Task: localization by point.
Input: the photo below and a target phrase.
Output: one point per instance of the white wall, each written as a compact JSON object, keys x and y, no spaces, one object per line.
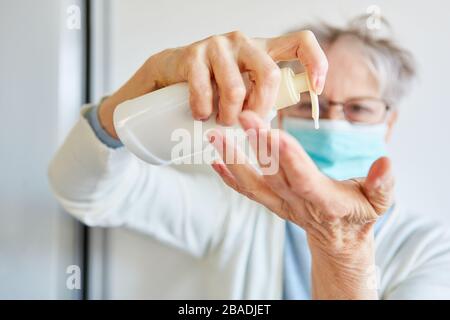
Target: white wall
{"x":40,"y":94}
{"x":420,"y":147}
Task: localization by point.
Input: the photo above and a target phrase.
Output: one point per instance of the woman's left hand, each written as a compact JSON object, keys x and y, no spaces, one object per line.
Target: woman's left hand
{"x":338,"y":216}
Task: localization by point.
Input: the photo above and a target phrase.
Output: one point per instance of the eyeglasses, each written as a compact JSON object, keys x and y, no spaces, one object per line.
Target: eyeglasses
{"x":364,"y":110}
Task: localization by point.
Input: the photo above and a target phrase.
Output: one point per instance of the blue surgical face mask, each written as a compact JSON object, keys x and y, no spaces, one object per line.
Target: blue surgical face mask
{"x":341,"y":150}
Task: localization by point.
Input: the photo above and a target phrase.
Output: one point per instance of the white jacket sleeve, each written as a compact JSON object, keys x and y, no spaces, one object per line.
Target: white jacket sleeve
{"x":430,"y":278}
{"x":416,"y":258}
{"x":110,"y":187}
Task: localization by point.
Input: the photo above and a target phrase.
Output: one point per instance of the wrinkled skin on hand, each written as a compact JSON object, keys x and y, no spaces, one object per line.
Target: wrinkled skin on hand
{"x":338,"y":216}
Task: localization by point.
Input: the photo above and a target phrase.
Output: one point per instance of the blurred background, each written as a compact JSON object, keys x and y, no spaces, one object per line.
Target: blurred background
{"x":50,"y":66}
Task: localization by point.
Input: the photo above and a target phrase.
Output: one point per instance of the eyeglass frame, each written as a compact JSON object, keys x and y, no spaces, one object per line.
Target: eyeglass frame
{"x":330,"y":103}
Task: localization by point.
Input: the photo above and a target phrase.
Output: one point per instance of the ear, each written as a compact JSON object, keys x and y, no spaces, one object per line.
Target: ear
{"x":392,"y":119}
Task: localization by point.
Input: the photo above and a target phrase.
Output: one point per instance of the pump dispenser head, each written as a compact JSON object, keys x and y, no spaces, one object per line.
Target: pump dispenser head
{"x":289,"y":92}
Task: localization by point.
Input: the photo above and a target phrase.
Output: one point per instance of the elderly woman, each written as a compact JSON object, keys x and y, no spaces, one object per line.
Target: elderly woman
{"x":315,"y":228}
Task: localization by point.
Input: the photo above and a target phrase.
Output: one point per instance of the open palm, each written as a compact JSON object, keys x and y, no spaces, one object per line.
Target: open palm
{"x":333,"y":213}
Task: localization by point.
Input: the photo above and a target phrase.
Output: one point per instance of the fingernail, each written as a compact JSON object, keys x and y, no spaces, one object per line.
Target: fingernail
{"x":211,"y":137}
{"x":214,"y":137}
{"x":243,"y":120}
{"x":218,"y":168}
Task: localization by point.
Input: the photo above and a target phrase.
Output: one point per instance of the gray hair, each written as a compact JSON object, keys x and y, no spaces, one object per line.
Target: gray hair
{"x":393,"y":65}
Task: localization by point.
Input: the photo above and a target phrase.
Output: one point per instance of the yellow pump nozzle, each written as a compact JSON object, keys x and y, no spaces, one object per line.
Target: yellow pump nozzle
{"x":302,"y":83}
{"x":289,"y":92}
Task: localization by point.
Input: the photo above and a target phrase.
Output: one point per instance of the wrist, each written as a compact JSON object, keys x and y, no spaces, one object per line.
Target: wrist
{"x":140,"y":83}
{"x":105,"y":116}
{"x":347,"y":273}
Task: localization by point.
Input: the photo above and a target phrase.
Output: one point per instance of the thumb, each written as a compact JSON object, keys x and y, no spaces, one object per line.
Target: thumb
{"x":379,"y":185}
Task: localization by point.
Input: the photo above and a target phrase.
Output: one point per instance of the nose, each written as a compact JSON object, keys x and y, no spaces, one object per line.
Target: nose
{"x":333,"y":112}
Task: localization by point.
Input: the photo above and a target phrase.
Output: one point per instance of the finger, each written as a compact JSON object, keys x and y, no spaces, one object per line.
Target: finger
{"x":250,"y":120}
{"x":268,"y":198}
{"x":265,"y":77}
{"x":262,"y":141}
{"x":200,"y":90}
{"x":243,"y":178}
{"x":225,"y":174}
{"x":303,"y":46}
{"x":258,"y":133}
{"x":233,"y":158}
{"x":279,"y":182}
{"x":256,"y":128}
{"x":379,"y":185}
{"x":229,"y":80}
{"x":301,"y":173}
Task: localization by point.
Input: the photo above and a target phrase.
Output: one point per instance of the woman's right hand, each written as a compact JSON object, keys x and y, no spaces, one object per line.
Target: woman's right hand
{"x":219,"y":61}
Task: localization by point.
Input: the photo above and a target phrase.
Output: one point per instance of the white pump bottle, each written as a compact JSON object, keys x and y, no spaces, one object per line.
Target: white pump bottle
{"x":146,"y":125}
